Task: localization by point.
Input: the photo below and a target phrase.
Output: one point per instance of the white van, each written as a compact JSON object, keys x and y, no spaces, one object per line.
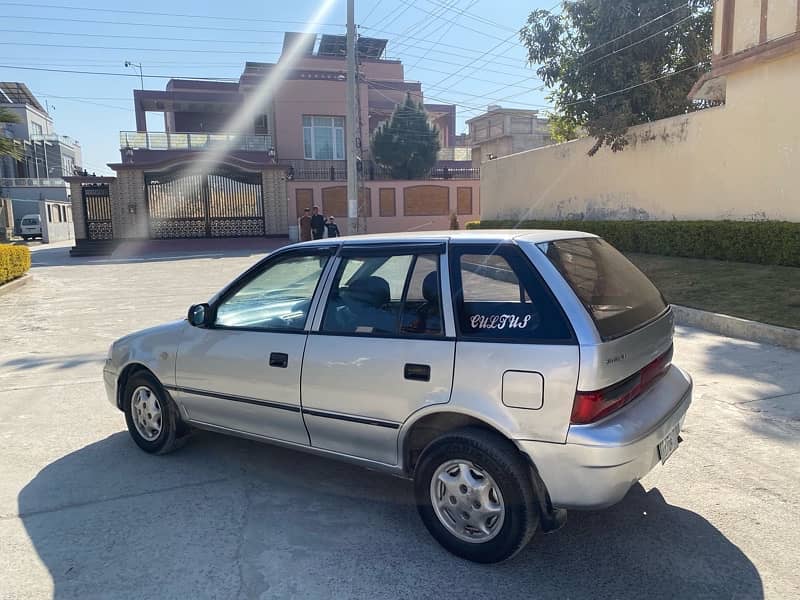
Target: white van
{"x":31,"y":227}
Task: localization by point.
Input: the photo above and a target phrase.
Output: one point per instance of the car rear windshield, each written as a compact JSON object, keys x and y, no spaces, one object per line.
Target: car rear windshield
{"x":30,"y":222}
{"x":619,"y":296}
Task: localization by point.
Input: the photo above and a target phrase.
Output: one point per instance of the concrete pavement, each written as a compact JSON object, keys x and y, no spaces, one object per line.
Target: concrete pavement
{"x":85,"y":514}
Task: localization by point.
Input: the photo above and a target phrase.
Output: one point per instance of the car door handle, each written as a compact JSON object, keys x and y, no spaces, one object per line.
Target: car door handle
{"x":417,"y":372}
{"x":278,"y":359}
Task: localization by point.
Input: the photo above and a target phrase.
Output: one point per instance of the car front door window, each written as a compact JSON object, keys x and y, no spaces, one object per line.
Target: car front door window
{"x":278,"y":298}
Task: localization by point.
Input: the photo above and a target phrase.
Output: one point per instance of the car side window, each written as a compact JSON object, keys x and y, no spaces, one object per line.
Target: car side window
{"x":385,"y":295}
{"x":500,"y":296}
{"x":278,"y":298}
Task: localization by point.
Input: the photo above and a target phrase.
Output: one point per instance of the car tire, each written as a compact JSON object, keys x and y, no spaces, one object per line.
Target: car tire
{"x":152,"y":417}
{"x":24,"y":238}
{"x":458,"y":515}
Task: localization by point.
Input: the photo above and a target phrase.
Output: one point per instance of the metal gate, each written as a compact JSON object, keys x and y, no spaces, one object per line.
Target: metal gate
{"x":97,"y":208}
{"x":221,"y":204}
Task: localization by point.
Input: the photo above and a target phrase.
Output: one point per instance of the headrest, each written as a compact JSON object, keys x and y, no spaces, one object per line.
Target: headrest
{"x":430,"y":287}
{"x":372,"y":290}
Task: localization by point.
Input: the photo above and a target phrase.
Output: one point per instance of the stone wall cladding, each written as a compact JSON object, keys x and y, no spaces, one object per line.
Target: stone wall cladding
{"x":129,"y":189}
{"x":78,"y":215}
{"x":275,"y":201}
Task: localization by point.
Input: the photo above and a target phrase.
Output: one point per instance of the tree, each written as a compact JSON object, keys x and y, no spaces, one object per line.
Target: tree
{"x":407,"y":145}
{"x":8,"y":147}
{"x":594,"y":49}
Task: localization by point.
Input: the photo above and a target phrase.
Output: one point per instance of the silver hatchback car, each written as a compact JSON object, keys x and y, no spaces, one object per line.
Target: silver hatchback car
{"x":510,"y":374}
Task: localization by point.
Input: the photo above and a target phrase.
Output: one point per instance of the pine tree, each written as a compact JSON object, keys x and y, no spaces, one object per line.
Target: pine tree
{"x":407,"y":145}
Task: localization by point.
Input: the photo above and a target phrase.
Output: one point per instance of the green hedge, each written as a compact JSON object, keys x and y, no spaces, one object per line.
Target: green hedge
{"x":14,"y":262}
{"x":760,"y":242}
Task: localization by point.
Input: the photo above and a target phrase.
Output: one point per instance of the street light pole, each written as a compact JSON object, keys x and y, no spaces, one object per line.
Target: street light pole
{"x":351,"y":131}
{"x":133,"y":64}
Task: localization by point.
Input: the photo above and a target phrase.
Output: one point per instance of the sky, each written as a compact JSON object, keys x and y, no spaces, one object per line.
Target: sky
{"x":464,"y":52}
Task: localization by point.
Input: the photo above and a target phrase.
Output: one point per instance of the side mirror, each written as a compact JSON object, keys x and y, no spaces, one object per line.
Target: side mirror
{"x":199,"y":314}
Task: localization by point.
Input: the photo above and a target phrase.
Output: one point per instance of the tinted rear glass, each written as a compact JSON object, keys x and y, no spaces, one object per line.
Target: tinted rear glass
{"x":30,"y":222}
{"x":619,"y":296}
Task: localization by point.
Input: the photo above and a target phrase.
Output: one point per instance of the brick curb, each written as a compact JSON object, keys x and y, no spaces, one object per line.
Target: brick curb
{"x":737,"y":328}
{"x":15,"y":283}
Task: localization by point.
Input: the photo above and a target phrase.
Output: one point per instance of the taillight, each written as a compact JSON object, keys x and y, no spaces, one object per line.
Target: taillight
{"x":589,"y":407}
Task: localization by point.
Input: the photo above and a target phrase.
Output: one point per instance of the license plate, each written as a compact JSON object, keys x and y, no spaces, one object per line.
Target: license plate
{"x":668,"y":445}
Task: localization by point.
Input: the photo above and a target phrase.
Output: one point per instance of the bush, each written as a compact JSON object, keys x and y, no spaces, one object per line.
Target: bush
{"x":14,"y":262}
{"x":760,"y":242}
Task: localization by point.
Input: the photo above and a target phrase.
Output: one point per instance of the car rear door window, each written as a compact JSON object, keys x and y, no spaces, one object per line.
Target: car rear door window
{"x":385,"y":295}
{"x":499,"y":296}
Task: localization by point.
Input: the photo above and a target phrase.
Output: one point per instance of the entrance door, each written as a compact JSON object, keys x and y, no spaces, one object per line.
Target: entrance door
{"x":242,"y":373}
{"x":97,"y":209}
{"x":220,"y":204}
{"x":379,"y":352}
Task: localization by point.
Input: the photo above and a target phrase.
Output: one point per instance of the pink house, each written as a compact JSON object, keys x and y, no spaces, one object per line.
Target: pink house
{"x":291,"y":154}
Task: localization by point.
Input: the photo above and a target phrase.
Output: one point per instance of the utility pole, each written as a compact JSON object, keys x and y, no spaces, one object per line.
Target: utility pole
{"x":351,"y":131}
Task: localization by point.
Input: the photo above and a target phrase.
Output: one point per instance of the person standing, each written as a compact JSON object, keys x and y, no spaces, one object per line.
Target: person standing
{"x":317,"y":224}
{"x":304,"y":225}
{"x":333,"y":228}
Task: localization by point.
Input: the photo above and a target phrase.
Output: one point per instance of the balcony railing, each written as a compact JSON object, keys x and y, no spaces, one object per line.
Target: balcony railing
{"x":53,"y":137}
{"x":31,"y":182}
{"x":165,"y":140}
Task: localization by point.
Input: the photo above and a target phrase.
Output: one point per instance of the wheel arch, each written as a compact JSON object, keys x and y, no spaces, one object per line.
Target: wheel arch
{"x":423,"y":428}
{"x":126,"y":373}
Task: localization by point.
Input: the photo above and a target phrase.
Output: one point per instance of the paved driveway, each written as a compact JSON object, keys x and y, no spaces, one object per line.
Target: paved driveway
{"x":85,"y":514}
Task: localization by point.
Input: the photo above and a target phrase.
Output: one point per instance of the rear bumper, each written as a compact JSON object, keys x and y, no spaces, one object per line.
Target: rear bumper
{"x":600,"y":462}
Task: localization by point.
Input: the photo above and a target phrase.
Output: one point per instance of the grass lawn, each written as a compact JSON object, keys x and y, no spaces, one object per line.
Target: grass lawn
{"x":759,"y":292}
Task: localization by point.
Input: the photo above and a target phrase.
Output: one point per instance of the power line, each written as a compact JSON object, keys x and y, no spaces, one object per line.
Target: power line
{"x":653,"y":20}
{"x":477,"y":18}
{"x":478,"y":31}
{"x":160,"y":14}
{"x":679,"y":22}
{"x":636,"y":43}
{"x":492,"y":49}
{"x":83,"y":101}
{"x":372,"y":10}
{"x":444,"y":33}
{"x":139,"y":37}
{"x":140,"y":24}
{"x":83,"y":47}
{"x":46,"y":95}
{"x":395,"y":12}
{"x":683,"y":5}
{"x":117,"y":74}
{"x":403,"y":8}
{"x":630,"y":87}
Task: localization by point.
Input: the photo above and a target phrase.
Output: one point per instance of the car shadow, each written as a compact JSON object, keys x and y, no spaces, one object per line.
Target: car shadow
{"x":230,"y":518}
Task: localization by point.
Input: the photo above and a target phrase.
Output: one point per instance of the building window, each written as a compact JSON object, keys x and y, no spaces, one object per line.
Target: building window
{"x":323,"y":138}
{"x":36,"y":128}
{"x":262,"y":125}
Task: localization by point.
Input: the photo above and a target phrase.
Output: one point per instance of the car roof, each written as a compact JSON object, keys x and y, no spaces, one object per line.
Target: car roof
{"x":489,"y":236}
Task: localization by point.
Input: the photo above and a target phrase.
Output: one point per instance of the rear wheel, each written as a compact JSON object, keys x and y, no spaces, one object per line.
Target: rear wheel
{"x":151,"y":415}
{"x":475,"y":495}
{"x":25,"y":238}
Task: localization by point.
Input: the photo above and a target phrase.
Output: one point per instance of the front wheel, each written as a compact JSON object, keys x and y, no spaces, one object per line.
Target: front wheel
{"x":151,"y":415}
{"x":475,"y":496}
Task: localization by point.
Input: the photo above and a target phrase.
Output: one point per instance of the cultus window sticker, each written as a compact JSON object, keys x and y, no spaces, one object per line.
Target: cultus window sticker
{"x":499,"y":321}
